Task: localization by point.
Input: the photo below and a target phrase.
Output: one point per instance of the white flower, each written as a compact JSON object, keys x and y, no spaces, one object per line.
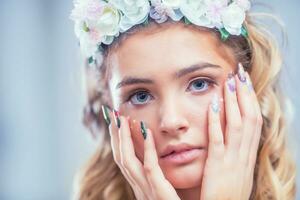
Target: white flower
{"x":244,"y":4}
{"x":172,"y":3}
{"x":108,"y":22}
{"x":135,"y":12}
{"x":88,"y":48}
{"x":195,"y":12}
{"x":87,"y":9}
{"x":233,"y":17}
{"x":97,"y":15}
{"x":100,"y":21}
{"x":214,"y":11}
{"x":94,"y":22}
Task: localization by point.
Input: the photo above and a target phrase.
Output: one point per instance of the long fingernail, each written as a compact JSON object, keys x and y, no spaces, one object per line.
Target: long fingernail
{"x":231,"y":82}
{"x":249,"y":83}
{"x":215,"y":103}
{"x":143,"y":130}
{"x":241,"y":73}
{"x":106,"y":114}
{"x":117,"y":118}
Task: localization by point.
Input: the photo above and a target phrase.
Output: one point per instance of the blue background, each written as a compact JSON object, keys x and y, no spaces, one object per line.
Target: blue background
{"x":42,"y":140}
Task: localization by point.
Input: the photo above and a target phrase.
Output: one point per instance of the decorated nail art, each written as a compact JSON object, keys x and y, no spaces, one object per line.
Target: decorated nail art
{"x":117,"y":118}
{"x":215,"y":103}
{"x":143,"y":130}
{"x":231,"y":82}
{"x":241,"y":73}
{"x":249,"y":84}
{"x":106,"y":114}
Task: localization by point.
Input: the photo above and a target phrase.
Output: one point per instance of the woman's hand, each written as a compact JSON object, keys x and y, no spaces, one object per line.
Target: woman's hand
{"x":147,"y":180}
{"x":229,"y":168}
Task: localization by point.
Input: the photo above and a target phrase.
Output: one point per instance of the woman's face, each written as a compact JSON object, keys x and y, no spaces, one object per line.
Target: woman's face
{"x":168,"y":79}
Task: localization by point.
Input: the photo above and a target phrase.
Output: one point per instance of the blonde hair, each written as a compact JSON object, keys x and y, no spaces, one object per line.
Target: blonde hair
{"x":274,"y":177}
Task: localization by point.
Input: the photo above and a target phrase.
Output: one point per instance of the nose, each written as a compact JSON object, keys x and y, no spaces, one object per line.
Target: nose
{"x":172,"y":120}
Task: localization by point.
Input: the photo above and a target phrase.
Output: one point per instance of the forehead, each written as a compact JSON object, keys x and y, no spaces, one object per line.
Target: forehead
{"x":167,"y":50}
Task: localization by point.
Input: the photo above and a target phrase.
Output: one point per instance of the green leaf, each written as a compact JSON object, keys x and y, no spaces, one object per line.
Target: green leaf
{"x":100,"y":48}
{"x":85,"y":27}
{"x":244,"y":32}
{"x":187,"y":21}
{"x":146,"y":22}
{"x":224,"y":34}
{"x":91,"y":60}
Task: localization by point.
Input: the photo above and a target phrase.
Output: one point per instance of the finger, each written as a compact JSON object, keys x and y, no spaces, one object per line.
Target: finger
{"x":215,"y":135}
{"x":233,"y":116}
{"x":258,"y":128}
{"x":114,"y":138}
{"x":153,"y":171}
{"x":248,"y":113}
{"x":109,"y":117}
{"x":129,"y":161}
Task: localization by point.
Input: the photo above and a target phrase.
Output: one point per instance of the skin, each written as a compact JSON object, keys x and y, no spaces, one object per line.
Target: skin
{"x":178,"y":111}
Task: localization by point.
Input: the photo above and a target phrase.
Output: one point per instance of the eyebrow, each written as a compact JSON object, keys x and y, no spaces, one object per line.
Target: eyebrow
{"x":130,"y":80}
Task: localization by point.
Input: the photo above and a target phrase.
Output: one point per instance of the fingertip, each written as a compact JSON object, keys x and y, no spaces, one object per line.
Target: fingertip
{"x":249,"y":82}
{"x":215,"y":104}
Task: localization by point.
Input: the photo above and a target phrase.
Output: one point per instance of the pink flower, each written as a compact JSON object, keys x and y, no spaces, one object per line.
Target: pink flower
{"x":94,"y":9}
{"x":95,"y":35}
{"x":214,"y":11}
{"x":159,"y":12}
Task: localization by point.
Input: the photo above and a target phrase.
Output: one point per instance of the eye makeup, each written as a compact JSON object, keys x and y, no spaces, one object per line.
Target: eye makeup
{"x":206,"y":82}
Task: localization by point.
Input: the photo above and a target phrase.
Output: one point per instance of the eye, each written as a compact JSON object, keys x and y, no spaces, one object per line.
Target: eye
{"x":139,"y":97}
{"x":200,"y":84}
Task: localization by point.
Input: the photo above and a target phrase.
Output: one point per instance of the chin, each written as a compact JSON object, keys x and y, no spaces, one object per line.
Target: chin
{"x":185,"y":176}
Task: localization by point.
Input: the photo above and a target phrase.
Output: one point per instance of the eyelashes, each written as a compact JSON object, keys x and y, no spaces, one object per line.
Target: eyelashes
{"x":143,"y":96}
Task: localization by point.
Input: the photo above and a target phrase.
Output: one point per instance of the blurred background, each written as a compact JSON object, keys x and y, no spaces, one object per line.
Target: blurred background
{"x":42,"y":140}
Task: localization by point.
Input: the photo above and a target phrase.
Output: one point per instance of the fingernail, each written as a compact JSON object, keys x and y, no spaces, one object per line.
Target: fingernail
{"x":143,"y":130}
{"x":249,"y":83}
{"x":106,"y":114}
{"x":215,"y":103}
{"x":231,"y":82}
{"x":241,"y":73}
{"x":117,"y":118}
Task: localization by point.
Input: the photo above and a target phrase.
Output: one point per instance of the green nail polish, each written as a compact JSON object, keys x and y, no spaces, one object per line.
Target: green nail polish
{"x":117,"y":118}
{"x":143,"y":130}
{"x":106,"y":114}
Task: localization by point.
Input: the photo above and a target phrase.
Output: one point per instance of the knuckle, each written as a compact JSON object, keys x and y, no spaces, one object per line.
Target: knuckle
{"x":252,"y":119}
{"x":125,"y":163}
{"x":148,"y":169}
{"x":217,"y":141}
{"x":255,"y":120}
{"x":236,"y":127}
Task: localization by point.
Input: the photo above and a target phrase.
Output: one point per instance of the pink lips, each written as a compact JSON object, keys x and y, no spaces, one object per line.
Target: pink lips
{"x":185,"y":156}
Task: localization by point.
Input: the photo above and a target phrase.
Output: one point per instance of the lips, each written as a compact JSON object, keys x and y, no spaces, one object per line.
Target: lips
{"x":170,"y":149}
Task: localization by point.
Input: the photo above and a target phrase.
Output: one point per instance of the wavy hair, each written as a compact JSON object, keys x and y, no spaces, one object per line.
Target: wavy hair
{"x":274,"y":176}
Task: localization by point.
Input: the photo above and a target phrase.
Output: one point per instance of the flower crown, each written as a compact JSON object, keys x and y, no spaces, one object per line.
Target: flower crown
{"x":98,"y":22}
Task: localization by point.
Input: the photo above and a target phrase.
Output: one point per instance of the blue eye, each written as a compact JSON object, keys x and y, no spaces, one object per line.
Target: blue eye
{"x":200,"y":85}
{"x":139,"y":98}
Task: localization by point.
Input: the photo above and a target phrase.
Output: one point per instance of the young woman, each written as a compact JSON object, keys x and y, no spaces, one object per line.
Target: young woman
{"x":190,"y":100}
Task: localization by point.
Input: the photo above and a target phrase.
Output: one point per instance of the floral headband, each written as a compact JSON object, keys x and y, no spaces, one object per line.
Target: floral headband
{"x":98,"y":22}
